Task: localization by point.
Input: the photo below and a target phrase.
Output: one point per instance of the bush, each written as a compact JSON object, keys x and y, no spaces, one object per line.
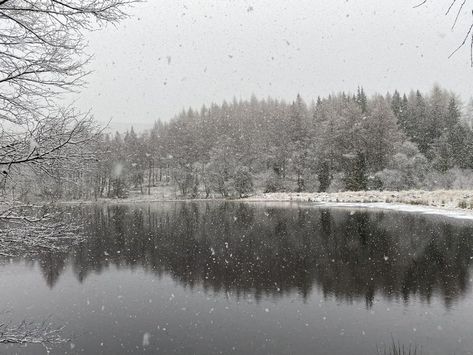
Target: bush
{"x":375,"y":183}
{"x":406,"y":169}
{"x":392,"y":180}
{"x":274,"y":184}
{"x":337,"y":184}
{"x":243,"y":182}
{"x":119,"y":188}
{"x":463,"y":179}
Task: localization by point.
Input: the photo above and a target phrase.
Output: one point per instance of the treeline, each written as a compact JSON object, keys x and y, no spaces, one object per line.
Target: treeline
{"x":340,"y":142}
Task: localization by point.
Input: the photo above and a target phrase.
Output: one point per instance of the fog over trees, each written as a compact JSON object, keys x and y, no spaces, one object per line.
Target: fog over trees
{"x":339,"y":142}
{"x":344,"y":141}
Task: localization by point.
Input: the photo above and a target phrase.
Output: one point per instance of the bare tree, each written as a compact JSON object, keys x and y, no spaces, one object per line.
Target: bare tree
{"x":42,"y":56}
{"x":455,"y":8}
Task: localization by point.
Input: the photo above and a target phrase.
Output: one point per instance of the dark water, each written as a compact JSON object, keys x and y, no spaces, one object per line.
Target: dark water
{"x":230,"y":278}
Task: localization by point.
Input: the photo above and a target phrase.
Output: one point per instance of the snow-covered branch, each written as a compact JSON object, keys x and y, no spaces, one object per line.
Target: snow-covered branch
{"x":29,"y":332}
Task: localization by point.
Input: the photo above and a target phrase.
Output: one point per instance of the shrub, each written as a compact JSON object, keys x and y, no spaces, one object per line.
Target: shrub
{"x":462,"y":204}
{"x":243,"y":181}
{"x":337,"y":183}
{"x":274,"y":184}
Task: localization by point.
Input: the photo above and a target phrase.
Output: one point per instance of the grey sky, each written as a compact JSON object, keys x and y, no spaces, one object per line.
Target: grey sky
{"x":173,"y":54}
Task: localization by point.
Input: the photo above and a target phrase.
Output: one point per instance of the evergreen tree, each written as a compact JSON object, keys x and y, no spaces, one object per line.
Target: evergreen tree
{"x":362,"y":99}
{"x":396,"y":104}
{"x":435,"y":119}
{"x":356,"y":177}
{"x":452,"y":116}
{"x":417,"y":117}
{"x":285,"y":147}
{"x":381,"y":133}
{"x":467,"y":117}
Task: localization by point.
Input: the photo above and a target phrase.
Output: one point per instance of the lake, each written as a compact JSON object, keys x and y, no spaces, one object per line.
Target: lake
{"x":241,"y":278}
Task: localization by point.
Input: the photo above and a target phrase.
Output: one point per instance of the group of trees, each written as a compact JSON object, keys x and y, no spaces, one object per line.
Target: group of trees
{"x":340,"y":142}
{"x":42,"y":57}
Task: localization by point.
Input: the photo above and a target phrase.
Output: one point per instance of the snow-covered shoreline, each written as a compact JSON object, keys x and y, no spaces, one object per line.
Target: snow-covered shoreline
{"x":450,"y":203}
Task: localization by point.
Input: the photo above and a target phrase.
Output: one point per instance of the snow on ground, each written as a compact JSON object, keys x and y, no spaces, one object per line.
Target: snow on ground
{"x":451,"y":203}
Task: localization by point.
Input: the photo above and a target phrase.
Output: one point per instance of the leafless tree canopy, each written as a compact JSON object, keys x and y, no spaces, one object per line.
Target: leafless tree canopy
{"x":42,"y":55}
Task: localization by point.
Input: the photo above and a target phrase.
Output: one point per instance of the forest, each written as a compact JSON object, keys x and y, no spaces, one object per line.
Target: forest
{"x":335,"y":143}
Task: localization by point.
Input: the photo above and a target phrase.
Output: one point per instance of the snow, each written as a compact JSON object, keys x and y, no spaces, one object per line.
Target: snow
{"x":34,"y":238}
{"x":146,"y":338}
{"x":29,"y":332}
{"x":451,"y":203}
{"x":442,"y":202}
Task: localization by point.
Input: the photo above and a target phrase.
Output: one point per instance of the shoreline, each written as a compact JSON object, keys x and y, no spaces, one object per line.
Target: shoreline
{"x":450,"y":203}
{"x":441,"y":202}
{"x":462,"y":214}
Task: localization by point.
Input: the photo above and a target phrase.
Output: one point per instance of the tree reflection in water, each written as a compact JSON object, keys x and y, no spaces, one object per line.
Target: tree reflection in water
{"x":273,"y":251}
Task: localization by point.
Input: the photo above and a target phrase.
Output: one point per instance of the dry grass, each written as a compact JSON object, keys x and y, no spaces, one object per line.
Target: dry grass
{"x":396,"y":348}
{"x":451,"y":199}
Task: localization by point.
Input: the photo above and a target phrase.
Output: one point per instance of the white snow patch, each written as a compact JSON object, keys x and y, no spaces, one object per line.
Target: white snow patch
{"x":146,"y":337}
{"x":450,"y":203}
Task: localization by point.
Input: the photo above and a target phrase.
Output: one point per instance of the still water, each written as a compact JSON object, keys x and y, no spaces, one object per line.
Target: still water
{"x":235,"y":278}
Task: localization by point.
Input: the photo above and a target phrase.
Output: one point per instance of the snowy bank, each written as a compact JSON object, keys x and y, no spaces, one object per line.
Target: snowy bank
{"x":450,"y":203}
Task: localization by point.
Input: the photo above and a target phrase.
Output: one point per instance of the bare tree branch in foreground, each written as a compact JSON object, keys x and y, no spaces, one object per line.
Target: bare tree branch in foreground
{"x":29,"y":332}
{"x":21,"y":237}
{"x":43,"y":56}
{"x":456,"y":7}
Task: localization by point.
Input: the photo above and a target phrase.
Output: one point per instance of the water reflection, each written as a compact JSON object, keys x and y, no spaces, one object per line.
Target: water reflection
{"x":270,"y":251}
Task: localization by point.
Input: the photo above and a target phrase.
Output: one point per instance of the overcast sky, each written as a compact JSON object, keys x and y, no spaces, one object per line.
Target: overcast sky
{"x":173,"y":54}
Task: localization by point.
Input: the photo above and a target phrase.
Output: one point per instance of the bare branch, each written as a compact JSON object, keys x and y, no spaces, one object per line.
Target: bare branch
{"x":458,"y":13}
{"x":28,"y":332}
{"x":42,"y":56}
{"x":459,"y":10}
{"x":463,"y":42}
{"x":450,"y":7}
{"x":420,"y":4}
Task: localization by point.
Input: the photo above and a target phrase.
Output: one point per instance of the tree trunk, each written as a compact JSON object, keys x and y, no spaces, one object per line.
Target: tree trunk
{"x":149,"y":178}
